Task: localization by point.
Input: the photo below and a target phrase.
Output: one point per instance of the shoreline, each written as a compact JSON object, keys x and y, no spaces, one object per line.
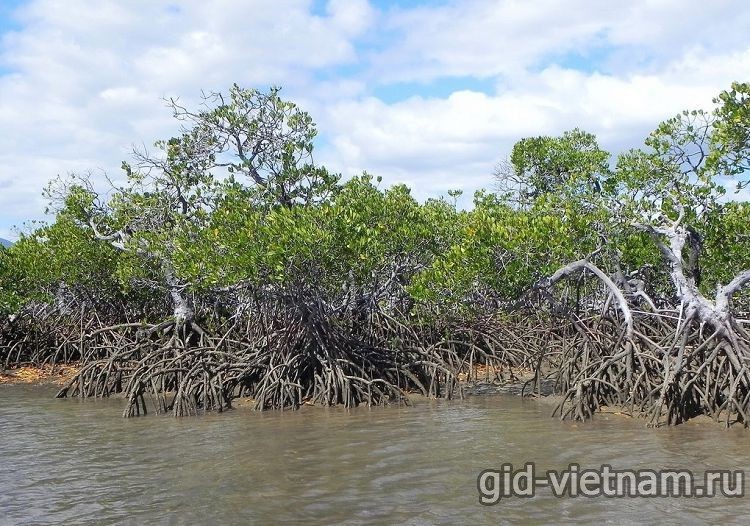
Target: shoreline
{"x":60,"y":374}
{"x":52,"y":375}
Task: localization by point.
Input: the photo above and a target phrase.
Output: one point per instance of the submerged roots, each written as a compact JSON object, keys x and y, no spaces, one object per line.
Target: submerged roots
{"x":290,"y":353}
{"x":664,"y":373}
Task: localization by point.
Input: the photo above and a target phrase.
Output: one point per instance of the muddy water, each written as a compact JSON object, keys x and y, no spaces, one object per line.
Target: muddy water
{"x":69,"y":462}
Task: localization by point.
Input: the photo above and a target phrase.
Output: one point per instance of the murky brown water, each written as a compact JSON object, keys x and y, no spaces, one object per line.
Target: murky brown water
{"x":69,"y":462}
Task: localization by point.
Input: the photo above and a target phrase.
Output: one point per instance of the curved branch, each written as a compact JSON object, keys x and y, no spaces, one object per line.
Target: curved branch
{"x":725,"y":293}
{"x":581,"y":265}
{"x":115,"y":239}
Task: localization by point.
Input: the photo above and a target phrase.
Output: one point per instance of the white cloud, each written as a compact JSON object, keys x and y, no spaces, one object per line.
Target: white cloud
{"x":445,"y":143}
{"x":487,"y":38}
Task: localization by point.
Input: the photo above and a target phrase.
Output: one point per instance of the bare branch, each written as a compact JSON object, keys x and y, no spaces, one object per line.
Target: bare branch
{"x":582,"y":265}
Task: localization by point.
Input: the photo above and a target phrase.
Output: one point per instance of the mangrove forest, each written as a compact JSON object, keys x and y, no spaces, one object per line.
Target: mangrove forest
{"x":224,"y":263}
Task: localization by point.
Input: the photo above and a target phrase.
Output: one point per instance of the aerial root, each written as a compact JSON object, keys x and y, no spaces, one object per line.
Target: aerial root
{"x":290,"y":354}
{"x":668,"y":375}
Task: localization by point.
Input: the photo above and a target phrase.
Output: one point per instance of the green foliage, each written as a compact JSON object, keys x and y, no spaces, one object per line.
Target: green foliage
{"x":502,"y":251}
{"x":730,"y":139}
{"x":264,"y":142}
{"x":53,"y":256}
{"x":572,"y":163}
{"x":10,"y":295}
{"x":726,"y":243}
{"x":235,"y":199}
{"x":358,"y":238}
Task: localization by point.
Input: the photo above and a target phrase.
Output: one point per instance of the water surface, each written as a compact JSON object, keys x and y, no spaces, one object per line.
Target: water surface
{"x":79,"y":462}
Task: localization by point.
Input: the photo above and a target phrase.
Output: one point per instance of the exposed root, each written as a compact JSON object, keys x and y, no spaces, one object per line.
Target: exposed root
{"x":293,"y":351}
{"x":666,"y":378}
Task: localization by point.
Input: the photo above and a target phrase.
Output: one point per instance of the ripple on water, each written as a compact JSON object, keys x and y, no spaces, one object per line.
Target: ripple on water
{"x":70,"y":462}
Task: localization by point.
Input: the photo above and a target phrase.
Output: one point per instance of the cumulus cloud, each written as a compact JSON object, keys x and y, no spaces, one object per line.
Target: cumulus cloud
{"x":445,"y":143}
{"x":81,"y":82}
{"x":488,"y":38}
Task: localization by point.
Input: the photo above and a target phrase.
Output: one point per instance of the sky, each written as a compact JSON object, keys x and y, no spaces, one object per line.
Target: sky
{"x":429,"y":93}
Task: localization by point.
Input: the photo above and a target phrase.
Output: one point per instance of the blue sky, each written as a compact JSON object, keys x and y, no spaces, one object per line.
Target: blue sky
{"x":433,"y":94}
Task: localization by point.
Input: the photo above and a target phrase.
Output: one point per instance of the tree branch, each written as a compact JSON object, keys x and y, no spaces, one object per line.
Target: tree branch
{"x":581,"y":265}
